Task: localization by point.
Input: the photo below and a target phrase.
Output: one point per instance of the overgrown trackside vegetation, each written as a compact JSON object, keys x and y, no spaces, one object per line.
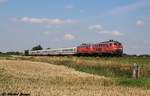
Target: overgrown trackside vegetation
{"x":118,"y":68}
{"x":9,"y":54}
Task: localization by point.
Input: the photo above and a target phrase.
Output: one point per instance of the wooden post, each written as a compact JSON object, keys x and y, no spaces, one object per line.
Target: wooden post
{"x":136,"y":71}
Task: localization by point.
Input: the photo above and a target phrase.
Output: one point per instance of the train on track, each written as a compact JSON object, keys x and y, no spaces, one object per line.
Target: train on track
{"x":107,"y":48}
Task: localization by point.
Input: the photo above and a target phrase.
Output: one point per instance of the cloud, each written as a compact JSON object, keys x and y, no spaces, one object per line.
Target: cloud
{"x":46,"y":21}
{"x":139,"y":23}
{"x":2,"y":1}
{"x":69,"y":6}
{"x":47,"y":32}
{"x":111,"y":33}
{"x":81,"y":11}
{"x":130,"y":7}
{"x":100,"y":30}
{"x":69,"y":37}
{"x":95,"y":27}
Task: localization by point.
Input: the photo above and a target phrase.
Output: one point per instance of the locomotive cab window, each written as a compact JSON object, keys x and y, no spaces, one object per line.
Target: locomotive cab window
{"x":115,"y":43}
{"x":119,"y":44}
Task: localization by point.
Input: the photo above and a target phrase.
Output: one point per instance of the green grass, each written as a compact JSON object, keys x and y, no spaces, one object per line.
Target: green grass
{"x":112,"y":67}
{"x":5,"y":55}
{"x":141,"y":82}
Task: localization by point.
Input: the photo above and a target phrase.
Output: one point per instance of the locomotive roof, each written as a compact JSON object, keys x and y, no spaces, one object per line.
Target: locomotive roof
{"x":110,"y":41}
{"x":85,"y":44}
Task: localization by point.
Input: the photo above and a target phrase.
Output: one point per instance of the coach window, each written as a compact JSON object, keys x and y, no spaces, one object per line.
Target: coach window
{"x":115,"y":43}
{"x":107,"y":45}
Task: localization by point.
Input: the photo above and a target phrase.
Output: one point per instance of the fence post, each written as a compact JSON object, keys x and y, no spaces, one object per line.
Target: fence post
{"x":136,"y":71}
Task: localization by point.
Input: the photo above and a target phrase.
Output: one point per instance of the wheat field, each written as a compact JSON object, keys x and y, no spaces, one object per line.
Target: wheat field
{"x":44,"y":79}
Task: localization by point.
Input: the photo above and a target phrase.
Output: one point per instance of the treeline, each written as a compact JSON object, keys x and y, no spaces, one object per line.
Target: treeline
{"x":38,"y":47}
{"x":134,"y":55}
{"x":10,"y":53}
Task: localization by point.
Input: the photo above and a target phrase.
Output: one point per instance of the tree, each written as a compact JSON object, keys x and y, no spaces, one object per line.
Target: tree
{"x":48,"y":48}
{"x":38,"y":47}
{"x":13,"y":53}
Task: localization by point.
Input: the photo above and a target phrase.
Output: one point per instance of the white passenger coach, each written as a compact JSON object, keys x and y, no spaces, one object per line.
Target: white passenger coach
{"x":59,"y":51}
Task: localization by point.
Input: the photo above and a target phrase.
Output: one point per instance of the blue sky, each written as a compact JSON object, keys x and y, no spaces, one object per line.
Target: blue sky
{"x":67,"y":23}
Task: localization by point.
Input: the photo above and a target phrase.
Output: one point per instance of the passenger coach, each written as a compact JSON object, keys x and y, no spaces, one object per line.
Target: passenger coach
{"x":50,"y":52}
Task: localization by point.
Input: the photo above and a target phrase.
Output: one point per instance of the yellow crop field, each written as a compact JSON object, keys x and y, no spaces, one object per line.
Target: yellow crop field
{"x":44,"y":79}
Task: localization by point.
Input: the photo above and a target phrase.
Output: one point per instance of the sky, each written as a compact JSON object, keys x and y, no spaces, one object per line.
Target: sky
{"x":68,"y":23}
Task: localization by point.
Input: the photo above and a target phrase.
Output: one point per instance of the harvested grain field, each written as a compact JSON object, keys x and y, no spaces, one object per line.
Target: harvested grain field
{"x":43,"y":79}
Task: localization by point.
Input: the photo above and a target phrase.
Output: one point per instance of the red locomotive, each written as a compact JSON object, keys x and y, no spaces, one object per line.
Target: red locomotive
{"x":106,"y":48}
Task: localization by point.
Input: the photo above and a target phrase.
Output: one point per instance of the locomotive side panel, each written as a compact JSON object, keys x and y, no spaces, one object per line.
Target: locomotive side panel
{"x":85,"y":49}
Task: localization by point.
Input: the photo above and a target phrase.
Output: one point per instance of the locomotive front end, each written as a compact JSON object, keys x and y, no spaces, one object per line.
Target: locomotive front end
{"x":117,"y":48}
